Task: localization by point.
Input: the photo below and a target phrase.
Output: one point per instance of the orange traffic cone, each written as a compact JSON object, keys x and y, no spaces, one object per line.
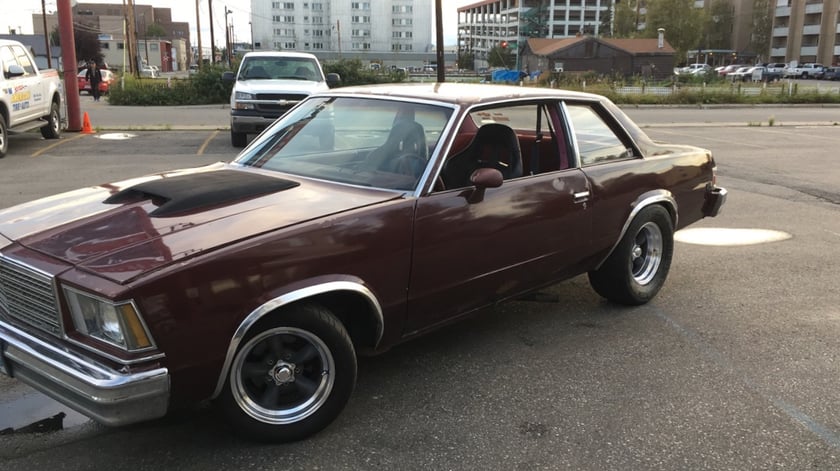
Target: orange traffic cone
{"x":86,"y":127}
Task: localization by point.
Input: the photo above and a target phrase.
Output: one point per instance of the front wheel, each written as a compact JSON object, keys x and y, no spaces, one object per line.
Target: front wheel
{"x":291,"y":376}
{"x":638,"y":266}
{"x":53,"y":128}
{"x":238,"y":139}
{"x":4,"y":137}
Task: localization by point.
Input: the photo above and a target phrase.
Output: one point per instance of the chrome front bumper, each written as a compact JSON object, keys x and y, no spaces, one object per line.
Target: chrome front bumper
{"x":106,"y":395}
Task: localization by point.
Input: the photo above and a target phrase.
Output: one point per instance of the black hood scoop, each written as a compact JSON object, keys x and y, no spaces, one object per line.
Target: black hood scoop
{"x":184,"y":194}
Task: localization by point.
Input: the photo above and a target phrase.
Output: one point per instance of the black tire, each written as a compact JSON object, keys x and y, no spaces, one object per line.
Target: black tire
{"x":638,"y":266}
{"x":53,"y":128}
{"x":4,"y":137}
{"x":238,"y":139}
{"x":291,"y":376}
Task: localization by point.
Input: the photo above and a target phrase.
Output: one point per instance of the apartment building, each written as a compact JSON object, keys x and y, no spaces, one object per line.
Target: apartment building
{"x":806,"y":31}
{"x":486,"y":24}
{"x":397,"y":30}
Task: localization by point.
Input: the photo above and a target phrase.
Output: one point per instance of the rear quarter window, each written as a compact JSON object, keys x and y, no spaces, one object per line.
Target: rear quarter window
{"x":596,"y":140}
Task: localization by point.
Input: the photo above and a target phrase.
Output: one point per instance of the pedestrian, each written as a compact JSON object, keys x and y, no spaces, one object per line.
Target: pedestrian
{"x":94,"y":76}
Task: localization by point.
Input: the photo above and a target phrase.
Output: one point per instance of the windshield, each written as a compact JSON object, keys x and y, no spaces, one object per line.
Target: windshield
{"x":275,"y":68}
{"x":360,"y":141}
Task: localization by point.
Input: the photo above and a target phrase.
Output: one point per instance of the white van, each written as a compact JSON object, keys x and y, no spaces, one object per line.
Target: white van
{"x":268,"y":84}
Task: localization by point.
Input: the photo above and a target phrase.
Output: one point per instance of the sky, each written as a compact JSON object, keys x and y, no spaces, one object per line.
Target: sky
{"x":184,"y":10}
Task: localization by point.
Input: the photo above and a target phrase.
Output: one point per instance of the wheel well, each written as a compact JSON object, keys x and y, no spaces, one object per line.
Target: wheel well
{"x":4,"y":114}
{"x":352,"y":309}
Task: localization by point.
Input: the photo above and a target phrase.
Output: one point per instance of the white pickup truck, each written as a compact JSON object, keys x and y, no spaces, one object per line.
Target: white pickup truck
{"x":805,"y":71}
{"x":268,"y":84}
{"x":29,"y":98}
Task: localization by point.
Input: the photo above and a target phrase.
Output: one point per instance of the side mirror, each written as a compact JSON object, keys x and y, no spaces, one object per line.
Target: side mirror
{"x":228,"y":76}
{"x":333,"y":80}
{"x":16,"y":70}
{"x":483,"y":178}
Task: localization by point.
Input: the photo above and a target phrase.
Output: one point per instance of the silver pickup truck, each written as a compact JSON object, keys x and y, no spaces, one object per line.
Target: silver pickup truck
{"x":29,"y":98}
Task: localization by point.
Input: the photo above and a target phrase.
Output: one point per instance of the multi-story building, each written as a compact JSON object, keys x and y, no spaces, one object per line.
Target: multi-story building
{"x":396,"y":31}
{"x":806,"y":31}
{"x":489,"y":23}
{"x":108,"y":20}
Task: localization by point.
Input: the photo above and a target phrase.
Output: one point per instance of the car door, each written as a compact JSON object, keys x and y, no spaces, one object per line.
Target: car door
{"x":27,"y":100}
{"x":529,"y":231}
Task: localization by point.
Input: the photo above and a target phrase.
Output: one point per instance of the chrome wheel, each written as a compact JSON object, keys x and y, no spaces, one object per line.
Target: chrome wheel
{"x":282,"y":375}
{"x":646,"y":254}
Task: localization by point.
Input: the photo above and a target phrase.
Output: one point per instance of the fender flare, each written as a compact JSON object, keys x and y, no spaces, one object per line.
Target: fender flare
{"x":661,"y":197}
{"x":318,"y":288}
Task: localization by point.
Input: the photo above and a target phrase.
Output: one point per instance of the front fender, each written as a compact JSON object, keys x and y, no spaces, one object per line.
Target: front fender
{"x":301,"y":291}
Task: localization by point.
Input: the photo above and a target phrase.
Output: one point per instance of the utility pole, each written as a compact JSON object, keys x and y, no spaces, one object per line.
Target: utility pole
{"x":46,"y":33}
{"x":338,"y":30}
{"x":198,"y":33}
{"x":441,"y":62}
{"x":212,"y":37}
{"x":227,"y":36}
{"x":132,"y":39}
{"x":68,"y":55}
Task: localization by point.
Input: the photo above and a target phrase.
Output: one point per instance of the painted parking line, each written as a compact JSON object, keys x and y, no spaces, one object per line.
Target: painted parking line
{"x":56,"y":144}
{"x":207,"y":142}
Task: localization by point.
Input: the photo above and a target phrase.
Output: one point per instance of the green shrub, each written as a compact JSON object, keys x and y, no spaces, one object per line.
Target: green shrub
{"x":204,"y":88}
{"x":352,"y":72}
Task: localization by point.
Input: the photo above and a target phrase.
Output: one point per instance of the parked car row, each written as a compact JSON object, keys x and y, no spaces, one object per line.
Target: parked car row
{"x":776,"y":71}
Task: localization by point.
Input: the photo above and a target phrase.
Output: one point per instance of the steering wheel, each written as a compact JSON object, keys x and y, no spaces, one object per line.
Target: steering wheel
{"x":410,"y":163}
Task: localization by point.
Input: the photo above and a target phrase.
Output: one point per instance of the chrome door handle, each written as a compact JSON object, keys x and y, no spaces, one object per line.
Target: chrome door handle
{"x":581,"y":197}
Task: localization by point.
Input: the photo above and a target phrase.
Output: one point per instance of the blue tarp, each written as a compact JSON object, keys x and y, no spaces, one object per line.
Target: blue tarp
{"x":512,"y":75}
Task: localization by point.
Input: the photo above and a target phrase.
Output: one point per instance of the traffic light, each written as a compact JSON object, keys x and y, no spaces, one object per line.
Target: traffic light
{"x":503,"y":44}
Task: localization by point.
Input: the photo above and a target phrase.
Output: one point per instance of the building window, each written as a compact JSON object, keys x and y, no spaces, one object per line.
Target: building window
{"x":275,"y":5}
{"x":288,"y":5}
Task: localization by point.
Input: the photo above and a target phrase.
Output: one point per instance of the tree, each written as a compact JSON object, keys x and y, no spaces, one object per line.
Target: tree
{"x":683,"y":23}
{"x":762,"y":25}
{"x":719,"y":26}
{"x":466,"y":60}
{"x":624,"y":24}
{"x":155,"y":30}
{"x":87,"y":42}
{"x":500,"y":57}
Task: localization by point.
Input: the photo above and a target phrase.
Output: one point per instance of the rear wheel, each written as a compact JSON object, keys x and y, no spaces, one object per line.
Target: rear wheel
{"x":291,"y":376}
{"x":638,"y":266}
{"x":238,"y":139}
{"x":53,"y":128}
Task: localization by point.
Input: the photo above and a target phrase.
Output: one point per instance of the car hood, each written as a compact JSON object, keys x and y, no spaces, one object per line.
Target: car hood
{"x":124,"y":230}
{"x":306,"y":87}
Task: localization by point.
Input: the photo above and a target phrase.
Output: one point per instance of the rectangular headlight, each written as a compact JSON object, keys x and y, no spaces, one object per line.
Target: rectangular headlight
{"x":115,"y":323}
{"x":237,"y":101}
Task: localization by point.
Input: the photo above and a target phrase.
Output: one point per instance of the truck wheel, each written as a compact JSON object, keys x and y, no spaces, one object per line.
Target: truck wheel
{"x":238,"y":139}
{"x":638,"y":266}
{"x":53,"y":128}
{"x":291,"y":376}
{"x":4,"y":137}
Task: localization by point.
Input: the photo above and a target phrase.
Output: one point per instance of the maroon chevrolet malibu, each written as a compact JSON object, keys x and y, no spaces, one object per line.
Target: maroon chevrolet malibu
{"x":363,"y":217}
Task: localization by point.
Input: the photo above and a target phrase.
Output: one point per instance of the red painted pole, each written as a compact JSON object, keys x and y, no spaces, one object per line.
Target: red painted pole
{"x":68,"y":59}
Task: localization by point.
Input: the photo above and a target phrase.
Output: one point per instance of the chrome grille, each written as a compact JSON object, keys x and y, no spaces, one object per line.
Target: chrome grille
{"x":28,"y":296}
